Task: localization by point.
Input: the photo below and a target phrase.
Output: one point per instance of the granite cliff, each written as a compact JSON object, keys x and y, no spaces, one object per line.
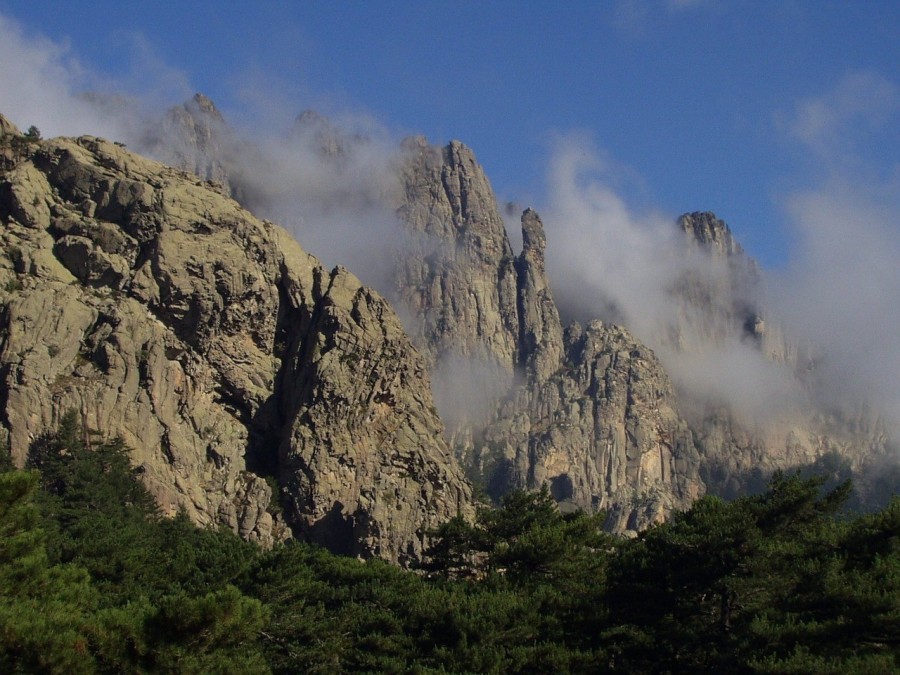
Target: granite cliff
{"x":739,"y":453}
{"x":588,"y":410}
{"x":235,"y":364}
{"x":258,"y":389}
{"x":487,"y":323}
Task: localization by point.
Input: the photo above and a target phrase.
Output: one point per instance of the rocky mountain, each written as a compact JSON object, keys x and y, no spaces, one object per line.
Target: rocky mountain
{"x":258,"y":389}
{"x":587,"y":410}
{"x":235,"y":364}
{"x":725,"y":313}
{"x":194,"y":137}
{"x":591,"y":409}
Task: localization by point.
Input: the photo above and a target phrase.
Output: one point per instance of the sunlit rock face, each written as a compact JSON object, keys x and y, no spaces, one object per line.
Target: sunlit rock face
{"x":587,"y":410}
{"x":636,"y":420}
{"x":228,"y":359}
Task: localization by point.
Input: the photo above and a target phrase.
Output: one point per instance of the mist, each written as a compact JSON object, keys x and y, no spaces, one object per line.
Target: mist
{"x":843,"y":280}
{"x":44,"y":84}
{"x":329,"y":183}
{"x":608,"y":260}
{"x":332,"y":185}
{"x":39,"y":86}
{"x":844,"y":288}
{"x":835,"y":301}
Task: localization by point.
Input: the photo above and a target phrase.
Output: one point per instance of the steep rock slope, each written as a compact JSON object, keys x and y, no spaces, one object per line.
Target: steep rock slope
{"x":724,"y":309}
{"x":524,"y":406}
{"x":216,"y":348}
{"x":589,"y":410}
{"x":456,"y":273}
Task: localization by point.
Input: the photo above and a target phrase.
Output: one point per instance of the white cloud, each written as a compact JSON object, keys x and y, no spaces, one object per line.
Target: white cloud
{"x":335,"y":206}
{"x":861,"y":102}
{"x":844,"y":287}
{"x":843,"y":281}
{"x":838,"y":294}
{"x":607,"y":260}
{"x":39,"y":82}
{"x":44,"y":84}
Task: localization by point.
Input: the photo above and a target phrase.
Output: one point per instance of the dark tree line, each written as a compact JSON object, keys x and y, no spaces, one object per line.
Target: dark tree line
{"x":93,"y":579}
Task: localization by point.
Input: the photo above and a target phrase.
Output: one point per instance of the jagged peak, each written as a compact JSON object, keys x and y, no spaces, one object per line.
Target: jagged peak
{"x":453,"y":154}
{"x":457,"y":153}
{"x":416,"y":142}
{"x":203,"y":104}
{"x":708,"y":231}
{"x":533,"y":237}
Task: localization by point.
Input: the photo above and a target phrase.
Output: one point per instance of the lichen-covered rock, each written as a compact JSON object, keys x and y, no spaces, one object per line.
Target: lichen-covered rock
{"x":221,"y":352}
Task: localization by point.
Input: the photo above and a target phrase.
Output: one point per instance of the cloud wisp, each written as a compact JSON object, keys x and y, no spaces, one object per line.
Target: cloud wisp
{"x":837,"y":297}
{"x":832,"y":124}
{"x":636,"y":268}
{"x":328,"y":187}
{"x":843,"y":279}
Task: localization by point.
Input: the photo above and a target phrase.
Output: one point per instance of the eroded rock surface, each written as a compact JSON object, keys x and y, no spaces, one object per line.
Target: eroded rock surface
{"x":589,"y":411}
{"x":226,"y":356}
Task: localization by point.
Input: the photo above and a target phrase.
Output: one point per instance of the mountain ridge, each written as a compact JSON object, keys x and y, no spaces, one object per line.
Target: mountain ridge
{"x":586,"y":408}
{"x":213,"y":344}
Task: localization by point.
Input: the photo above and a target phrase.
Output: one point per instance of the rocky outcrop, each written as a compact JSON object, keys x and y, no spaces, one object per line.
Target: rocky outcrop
{"x":602,"y":431}
{"x":715,"y":295}
{"x":588,"y":411}
{"x":365,"y":468}
{"x":456,"y":273}
{"x":194,"y":137}
{"x":591,"y":411}
{"x":540,"y":348}
{"x":222,"y":353}
{"x":705,"y":230}
{"x":720,"y":307}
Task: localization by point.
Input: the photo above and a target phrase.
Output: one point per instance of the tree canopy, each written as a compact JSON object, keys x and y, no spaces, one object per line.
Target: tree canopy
{"x":94,"y":579}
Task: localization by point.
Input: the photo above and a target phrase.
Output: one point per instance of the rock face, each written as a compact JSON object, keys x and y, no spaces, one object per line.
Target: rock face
{"x":456,"y":274}
{"x":722,"y":309}
{"x":217,"y":347}
{"x":717,"y":296}
{"x":589,"y":411}
{"x":602,"y":431}
{"x":226,"y":356}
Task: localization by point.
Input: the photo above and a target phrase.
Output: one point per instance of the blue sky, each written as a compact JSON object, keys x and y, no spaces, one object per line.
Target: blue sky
{"x":727,"y":106}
